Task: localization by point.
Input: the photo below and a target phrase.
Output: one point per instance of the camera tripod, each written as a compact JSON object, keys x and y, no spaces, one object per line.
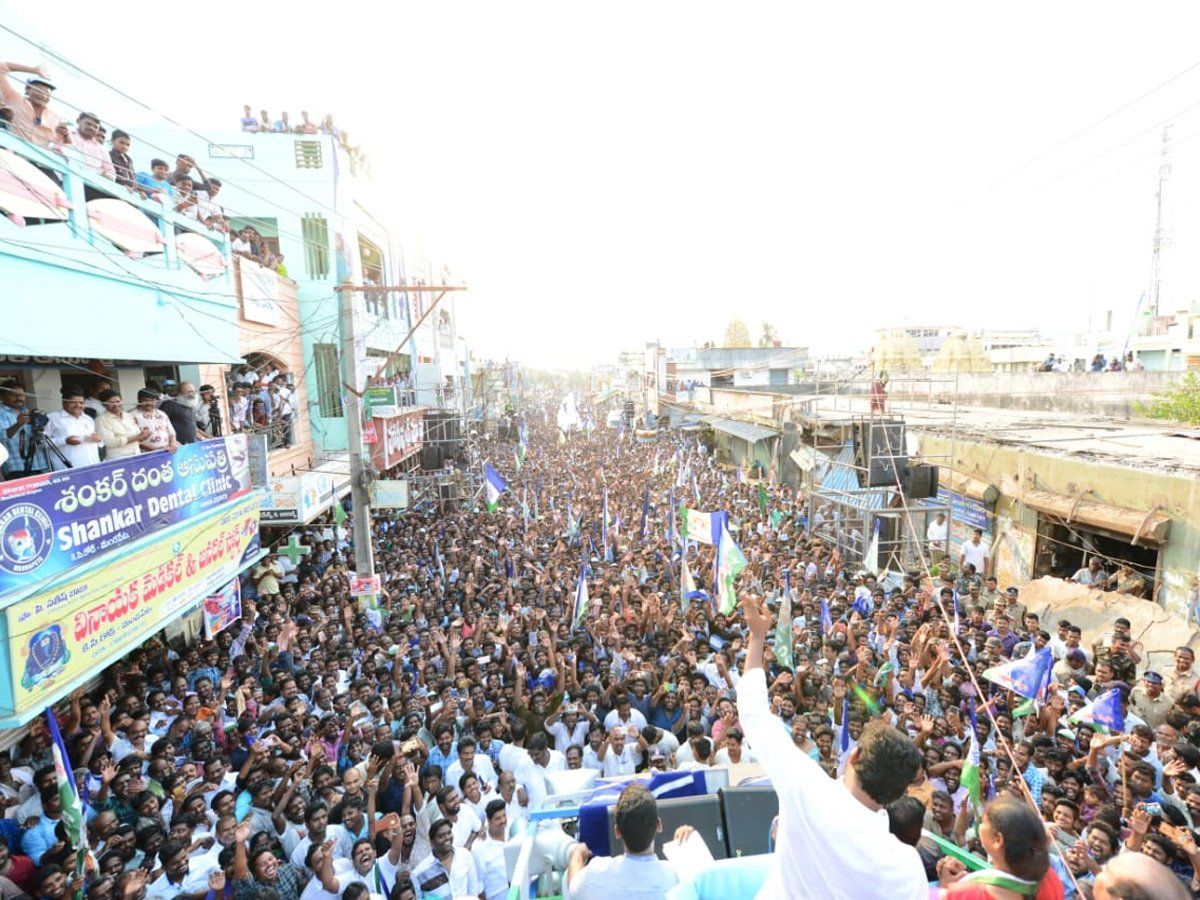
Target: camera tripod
{"x":39,"y":441}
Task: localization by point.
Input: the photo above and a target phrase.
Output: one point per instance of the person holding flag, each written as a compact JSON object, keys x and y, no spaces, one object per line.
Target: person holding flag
{"x":493,"y":486}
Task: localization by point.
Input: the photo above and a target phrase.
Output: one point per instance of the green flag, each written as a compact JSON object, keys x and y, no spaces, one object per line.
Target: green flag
{"x":339,"y":514}
{"x":970,"y":778}
{"x":763,"y":500}
{"x":730,"y":563}
{"x":783,"y":633}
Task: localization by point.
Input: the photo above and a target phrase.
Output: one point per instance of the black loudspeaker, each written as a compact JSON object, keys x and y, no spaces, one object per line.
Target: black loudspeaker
{"x":703,"y":813}
{"x":922,"y":481}
{"x":880,"y":454}
{"x":431,"y":457}
{"x":749,"y":812}
{"x":447,"y":492}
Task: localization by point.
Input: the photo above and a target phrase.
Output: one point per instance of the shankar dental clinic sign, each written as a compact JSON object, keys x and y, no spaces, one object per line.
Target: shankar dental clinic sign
{"x":53,"y":522}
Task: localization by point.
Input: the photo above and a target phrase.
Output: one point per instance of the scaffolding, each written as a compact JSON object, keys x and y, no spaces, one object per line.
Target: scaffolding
{"x":868,"y":523}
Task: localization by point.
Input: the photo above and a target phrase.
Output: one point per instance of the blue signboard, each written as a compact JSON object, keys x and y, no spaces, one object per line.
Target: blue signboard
{"x":966,"y":514}
{"x":53,"y":522}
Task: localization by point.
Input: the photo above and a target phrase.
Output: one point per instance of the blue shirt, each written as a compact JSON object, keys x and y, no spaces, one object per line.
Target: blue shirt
{"x":443,"y":760}
{"x":150,"y":183}
{"x":38,"y":839}
{"x":15,"y":464}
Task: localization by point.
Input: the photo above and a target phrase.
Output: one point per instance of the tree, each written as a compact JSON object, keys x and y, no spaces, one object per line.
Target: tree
{"x":1179,"y":404}
{"x":737,"y":334}
{"x":769,"y":337}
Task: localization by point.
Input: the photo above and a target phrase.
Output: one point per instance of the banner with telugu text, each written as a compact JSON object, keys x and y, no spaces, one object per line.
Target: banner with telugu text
{"x":52,"y":523}
{"x":56,"y":636}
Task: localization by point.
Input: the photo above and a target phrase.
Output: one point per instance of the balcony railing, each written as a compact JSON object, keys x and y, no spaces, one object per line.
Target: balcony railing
{"x":134,"y":226}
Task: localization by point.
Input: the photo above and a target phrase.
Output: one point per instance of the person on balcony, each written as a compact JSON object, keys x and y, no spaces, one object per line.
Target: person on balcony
{"x":73,"y":432}
{"x":249,"y":123}
{"x":156,"y":184}
{"x":181,"y":407}
{"x":155,"y":421}
{"x":83,"y":141}
{"x":17,"y":435}
{"x":185,"y":200}
{"x":123,"y":171}
{"x":282,"y":125}
{"x":32,"y":118}
{"x":118,"y":429}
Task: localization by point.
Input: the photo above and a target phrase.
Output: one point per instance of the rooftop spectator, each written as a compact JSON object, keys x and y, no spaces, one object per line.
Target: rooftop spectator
{"x":305,"y":126}
{"x":149,"y":417}
{"x":32,"y":118}
{"x":264,"y":120}
{"x":121,"y":433}
{"x":249,"y":123}
{"x":282,"y":125}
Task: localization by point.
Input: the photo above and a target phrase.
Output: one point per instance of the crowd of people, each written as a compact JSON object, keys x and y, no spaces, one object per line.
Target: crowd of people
{"x":261,"y":401}
{"x":324,"y":746}
{"x":1098,"y":363}
{"x":263,"y":123}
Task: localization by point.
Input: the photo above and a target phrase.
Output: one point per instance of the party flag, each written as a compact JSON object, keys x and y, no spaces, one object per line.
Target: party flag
{"x":1104,"y":710}
{"x":1027,"y":677}
{"x":72,"y":810}
{"x":730,"y":563}
{"x":608,"y":557}
{"x":580,"y":609}
{"x":339,"y":514}
{"x":687,"y":587}
{"x":845,"y":724}
{"x":520,"y":456}
{"x":645,"y":509}
{"x":970,"y":777}
{"x":826,"y":618}
{"x":783,"y":632}
{"x":762,"y":499}
{"x":1028,"y":708}
{"x":495,"y":486}
{"x":868,"y":701}
{"x":871,"y":557}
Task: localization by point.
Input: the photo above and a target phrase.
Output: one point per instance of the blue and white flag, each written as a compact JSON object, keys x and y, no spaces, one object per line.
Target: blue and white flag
{"x":1104,"y":710}
{"x":1028,"y":676}
{"x":494,"y":485}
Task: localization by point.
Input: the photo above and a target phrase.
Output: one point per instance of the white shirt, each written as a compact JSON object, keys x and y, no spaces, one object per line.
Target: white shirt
{"x":636,"y":719}
{"x":564,"y":739}
{"x":195,"y":881}
{"x":819,"y":854}
{"x":975,"y":554}
{"x":63,"y":425}
{"x":531,"y":776}
{"x":489,"y":861}
{"x":936,"y":533}
{"x":481,"y":766}
{"x":622,"y":763}
{"x":639,"y":877}
{"x":464,"y":879}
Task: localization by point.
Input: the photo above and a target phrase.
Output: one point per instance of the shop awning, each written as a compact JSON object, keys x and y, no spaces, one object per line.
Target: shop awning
{"x":1140,"y":526}
{"x":747,"y":431}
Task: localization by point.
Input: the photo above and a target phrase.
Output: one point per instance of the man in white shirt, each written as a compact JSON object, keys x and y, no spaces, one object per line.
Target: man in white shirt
{"x":819,"y":855}
{"x":83,"y":141}
{"x":471,"y":761}
{"x":73,"y":432}
{"x":974,"y":552}
{"x":567,"y":727}
{"x":489,"y":852}
{"x":617,"y":757}
{"x":180,"y":875}
{"x":937,"y":533}
{"x":449,"y":871}
{"x":624,"y":716}
{"x":638,"y":872}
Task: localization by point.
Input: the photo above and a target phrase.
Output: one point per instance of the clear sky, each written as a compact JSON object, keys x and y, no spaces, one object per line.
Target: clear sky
{"x":603,"y":175}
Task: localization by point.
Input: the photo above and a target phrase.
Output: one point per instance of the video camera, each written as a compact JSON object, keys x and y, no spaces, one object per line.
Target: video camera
{"x":38,"y":420}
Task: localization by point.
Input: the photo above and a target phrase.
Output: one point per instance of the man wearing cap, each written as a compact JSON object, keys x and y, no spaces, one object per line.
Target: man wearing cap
{"x":1182,"y":678}
{"x":1149,"y":701}
{"x":32,"y":118}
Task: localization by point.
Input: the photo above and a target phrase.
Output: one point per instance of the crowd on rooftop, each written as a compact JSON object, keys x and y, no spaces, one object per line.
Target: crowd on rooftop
{"x":322,"y":747}
{"x":263,"y":123}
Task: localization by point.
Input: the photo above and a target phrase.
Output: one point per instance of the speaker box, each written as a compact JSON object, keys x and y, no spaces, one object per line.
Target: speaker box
{"x":431,"y":457}
{"x":703,"y":813}
{"x":748,"y":815}
{"x":880,"y":454}
{"x":922,"y":481}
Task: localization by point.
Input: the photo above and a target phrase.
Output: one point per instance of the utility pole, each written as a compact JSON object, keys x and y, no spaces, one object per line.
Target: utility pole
{"x":1164,"y":171}
{"x":364,"y":557}
{"x":355,"y":384}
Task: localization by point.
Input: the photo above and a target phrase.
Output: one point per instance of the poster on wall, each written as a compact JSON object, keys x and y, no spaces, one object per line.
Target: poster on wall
{"x":62,"y":520}
{"x":222,"y":609}
{"x":966,"y":514}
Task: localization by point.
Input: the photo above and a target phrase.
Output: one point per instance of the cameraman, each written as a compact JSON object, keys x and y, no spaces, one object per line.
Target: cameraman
{"x":17,"y":435}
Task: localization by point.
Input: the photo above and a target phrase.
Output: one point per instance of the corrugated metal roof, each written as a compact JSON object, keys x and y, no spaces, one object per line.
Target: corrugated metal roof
{"x":842,"y":478}
{"x":747,"y":431}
